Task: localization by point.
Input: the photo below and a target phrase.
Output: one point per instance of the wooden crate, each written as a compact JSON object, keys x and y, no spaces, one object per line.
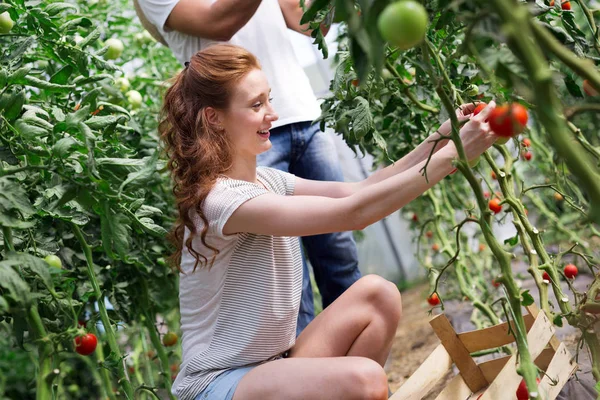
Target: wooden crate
{"x":492,"y":380}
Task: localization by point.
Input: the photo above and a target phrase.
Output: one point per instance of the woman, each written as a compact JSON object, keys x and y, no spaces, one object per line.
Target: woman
{"x":239,"y":252}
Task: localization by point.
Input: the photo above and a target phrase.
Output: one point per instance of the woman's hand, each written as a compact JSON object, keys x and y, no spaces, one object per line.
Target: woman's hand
{"x":475,"y":135}
{"x":462,"y":113}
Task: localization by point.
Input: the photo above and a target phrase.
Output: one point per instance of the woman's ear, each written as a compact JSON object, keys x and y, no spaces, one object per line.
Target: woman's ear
{"x":213,"y":117}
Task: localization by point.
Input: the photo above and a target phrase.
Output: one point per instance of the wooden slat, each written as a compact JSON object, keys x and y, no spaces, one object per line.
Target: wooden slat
{"x":456,"y":389}
{"x":467,"y":367}
{"x":434,"y":368}
{"x":560,"y":369}
{"x":507,"y":381}
{"x":492,"y":337}
{"x":492,"y":368}
{"x":534,"y":311}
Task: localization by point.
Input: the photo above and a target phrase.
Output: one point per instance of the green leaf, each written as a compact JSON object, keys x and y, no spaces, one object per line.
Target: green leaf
{"x":512,"y":240}
{"x":104,"y":121}
{"x":55,"y":8}
{"x":558,"y":320}
{"x":35,"y":82}
{"x":362,"y":120}
{"x":115,"y":232}
{"x":90,"y":38}
{"x":35,"y":264}
{"x":14,"y":197}
{"x":315,"y":7}
{"x":14,"y":105}
{"x":151,"y":227}
{"x":10,"y":280}
{"x":62,"y":147}
{"x":62,"y":75}
{"x":527,"y":299}
{"x":141,"y":177}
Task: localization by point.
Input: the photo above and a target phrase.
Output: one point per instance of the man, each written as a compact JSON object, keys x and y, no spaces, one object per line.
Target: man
{"x":298,"y":146}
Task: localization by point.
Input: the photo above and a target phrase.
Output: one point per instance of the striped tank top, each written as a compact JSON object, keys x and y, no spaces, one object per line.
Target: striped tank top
{"x":243,"y":311}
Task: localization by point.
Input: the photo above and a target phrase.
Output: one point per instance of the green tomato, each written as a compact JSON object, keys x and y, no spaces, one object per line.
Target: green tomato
{"x":6,"y":22}
{"x":472,"y":90}
{"x":386,"y":74}
{"x":403,"y":23}
{"x":115,"y":48}
{"x":122,"y":84}
{"x":53,"y":261}
{"x":134,"y":98}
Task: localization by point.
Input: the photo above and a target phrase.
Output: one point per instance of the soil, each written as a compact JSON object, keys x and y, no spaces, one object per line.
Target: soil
{"x":415,"y":340}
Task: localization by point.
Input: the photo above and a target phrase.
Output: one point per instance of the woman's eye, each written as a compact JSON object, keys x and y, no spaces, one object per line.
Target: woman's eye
{"x":257,"y":105}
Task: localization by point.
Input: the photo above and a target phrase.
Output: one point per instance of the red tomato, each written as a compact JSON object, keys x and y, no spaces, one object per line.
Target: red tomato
{"x":526,"y":142}
{"x":494,"y":205}
{"x":415,"y":217}
{"x":508,"y":121}
{"x":566,"y":6}
{"x":429,"y":234}
{"x":571,"y":271}
{"x":435,"y":247}
{"x":545,"y":276}
{"x":495,"y":283}
{"x":478,"y":109}
{"x":433,"y":300}
{"x":522,"y":392}
{"x":493,"y":175}
{"x":551,"y":3}
{"x":86,"y":344}
{"x":527,"y":155}
{"x":481,"y":247}
{"x":355,"y":82}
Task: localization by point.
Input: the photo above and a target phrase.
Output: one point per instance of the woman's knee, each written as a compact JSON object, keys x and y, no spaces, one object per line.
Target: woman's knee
{"x":369,"y":378}
{"x":383,"y":295}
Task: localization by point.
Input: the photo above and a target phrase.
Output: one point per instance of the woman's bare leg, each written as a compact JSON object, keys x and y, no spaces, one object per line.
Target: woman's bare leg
{"x":340,"y":355}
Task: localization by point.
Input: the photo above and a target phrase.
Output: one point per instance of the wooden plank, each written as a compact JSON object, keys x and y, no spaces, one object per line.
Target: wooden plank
{"x":505,"y":385}
{"x":534,"y":311}
{"x":456,"y":389}
{"x":492,"y":368}
{"x":492,"y":337}
{"x":434,"y":368}
{"x":467,"y":367}
{"x":560,"y":369}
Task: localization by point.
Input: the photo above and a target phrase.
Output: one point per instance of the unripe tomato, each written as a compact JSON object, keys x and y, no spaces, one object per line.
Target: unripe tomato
{"x":472,"y":90}
{"x":433,"y":300}
{"x":571,"y":271}
{"x":526,"y":142}
{"x":435,"y":247}
{"x":6,"y":22}
{"x":403,"y":24}
{"x":481,"y":247}
{"x":494,"y":205}
{"x":134,"y":98}
{"x":527,"y":155}
{"x":589,"y":89}
{"x":115,"y":49}
{"x":522,"y":392}
{"x":86,"y":344}
{"x":479,"y":107}
{"x":53,"y":261}
{"x":546,"y":277}
{"x":508,"y":121}
{"x":566,"y":6}
{"x":170,"y":339}
{"x":122,"y":84}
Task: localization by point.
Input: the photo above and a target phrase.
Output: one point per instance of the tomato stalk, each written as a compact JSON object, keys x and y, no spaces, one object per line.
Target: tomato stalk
{"x":104,"y":373}
{"x":406,"y":90}
{"x":110,"y":334}
{"x":149,"y":322}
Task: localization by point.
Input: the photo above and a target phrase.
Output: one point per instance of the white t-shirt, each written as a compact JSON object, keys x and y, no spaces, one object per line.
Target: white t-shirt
{"x":243,"y":311}
{"x":266,"y":36}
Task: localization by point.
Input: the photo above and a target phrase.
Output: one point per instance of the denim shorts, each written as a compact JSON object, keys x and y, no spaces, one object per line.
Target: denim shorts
{"x":223,"y":386}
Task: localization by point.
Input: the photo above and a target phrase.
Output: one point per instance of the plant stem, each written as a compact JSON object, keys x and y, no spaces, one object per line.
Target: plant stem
{"x":110,"y":334}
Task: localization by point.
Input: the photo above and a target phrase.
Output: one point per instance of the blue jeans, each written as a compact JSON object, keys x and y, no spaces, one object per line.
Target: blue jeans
{"x":305,"y":151}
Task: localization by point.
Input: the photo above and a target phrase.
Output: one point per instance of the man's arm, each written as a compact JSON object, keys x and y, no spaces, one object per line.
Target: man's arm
{"x":216,"y":21}
{"x":292,"y":13}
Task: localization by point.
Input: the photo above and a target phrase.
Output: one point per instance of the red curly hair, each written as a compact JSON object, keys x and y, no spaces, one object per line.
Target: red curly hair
{"x":197,"y":151}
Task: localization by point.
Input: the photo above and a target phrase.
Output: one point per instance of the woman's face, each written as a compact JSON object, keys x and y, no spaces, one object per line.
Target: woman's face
{"x":250,"y":115}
